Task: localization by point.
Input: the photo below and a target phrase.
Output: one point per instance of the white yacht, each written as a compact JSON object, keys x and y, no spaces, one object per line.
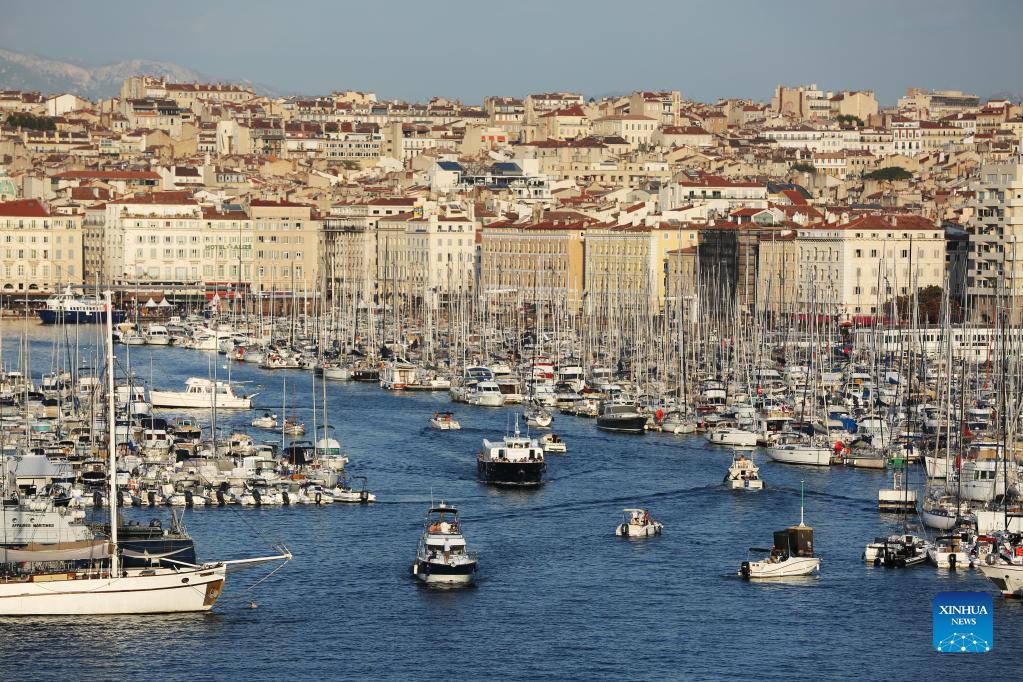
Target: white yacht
{"x":552,"y":442}
{"x":795,"y":448}
{"x":157,"y":335}
{"x":637,"y":523}
{"x":487,"y":394}
{"x":442,"y":557}
{"x":201,"y":393}
{"x":514,"y":460}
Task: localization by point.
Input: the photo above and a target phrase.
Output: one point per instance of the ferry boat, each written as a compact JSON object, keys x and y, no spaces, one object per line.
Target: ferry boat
{"x":442,"y":558}
{"x":66,"y":308}
{"x":515,"y":460}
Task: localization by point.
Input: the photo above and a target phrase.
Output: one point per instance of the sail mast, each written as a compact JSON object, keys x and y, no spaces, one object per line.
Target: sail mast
{"x":112,"y":435}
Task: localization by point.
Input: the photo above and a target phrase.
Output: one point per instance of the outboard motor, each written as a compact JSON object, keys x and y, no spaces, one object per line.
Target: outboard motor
{"x":97,"y":499}
{"x":221,"y":499}
{"x":286,"y":497}
{"x":257,"y":496}
{"x":151,"y":496}
{"x":189,"y":500}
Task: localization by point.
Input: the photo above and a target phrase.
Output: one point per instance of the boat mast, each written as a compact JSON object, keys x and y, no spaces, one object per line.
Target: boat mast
{"x":112,"y":434}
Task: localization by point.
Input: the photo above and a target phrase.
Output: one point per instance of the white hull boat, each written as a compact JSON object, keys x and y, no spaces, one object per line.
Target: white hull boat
{"x":812,"y":455}
{"x":200,"y":394}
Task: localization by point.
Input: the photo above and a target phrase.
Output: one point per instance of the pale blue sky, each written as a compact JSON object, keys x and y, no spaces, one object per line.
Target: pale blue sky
{"x":468,"y":49}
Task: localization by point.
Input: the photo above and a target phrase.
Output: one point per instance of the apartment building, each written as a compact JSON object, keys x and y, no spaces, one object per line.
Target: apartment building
{"x":995,"y":267}
{"x":540,"y":262}
{"x":40,"y":251}
{"x":285,"y":245}
{"x":625,"y":265}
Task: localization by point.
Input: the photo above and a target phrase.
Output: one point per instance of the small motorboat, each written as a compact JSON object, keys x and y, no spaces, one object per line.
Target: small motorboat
{"x":897,"y":551}
{"x":267,"y":421}
{"x":636,"y":523}
{"x":743,"y":474}
{"x":442,"y":558}
{"x":551,"y":442}
{"x":948,"y":551}
{"x":791,"y":555}
{"x":293,"y":427}
{"x":444,"y":421}
{"x":345,"y":492}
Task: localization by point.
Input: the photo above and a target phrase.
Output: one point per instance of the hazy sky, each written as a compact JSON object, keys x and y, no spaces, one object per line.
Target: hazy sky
{"x":468,"y":49}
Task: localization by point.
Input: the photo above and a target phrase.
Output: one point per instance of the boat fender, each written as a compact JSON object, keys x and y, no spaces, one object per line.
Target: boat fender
{"x":189,"y":500}
{"x":286,"y":497}
{"x":221,"y":501}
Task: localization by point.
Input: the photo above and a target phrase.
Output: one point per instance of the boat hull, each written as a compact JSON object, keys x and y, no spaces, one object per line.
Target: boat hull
{"x":78,"y":316}
{"x":1007,"y":578}
{"x":636,"y":424}
{"x":167,"y":591}
{"x":793,"y":567}
{"x":511,"y":473}
{"x":187,"y":401}
{"x":808,"y":456}
{"x":433,"y":573}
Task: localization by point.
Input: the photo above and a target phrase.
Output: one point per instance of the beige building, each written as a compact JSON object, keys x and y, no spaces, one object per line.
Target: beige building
{"x":636,"y":129}
{"x":286,"y":246}
{"x":858,"y":267}
{"x":39,"y":250}
{"x":626,"y":265}
{"x":538,"y":262}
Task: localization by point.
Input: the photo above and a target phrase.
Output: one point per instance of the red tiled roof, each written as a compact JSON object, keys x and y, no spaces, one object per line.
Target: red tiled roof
{"x":23,"y":208}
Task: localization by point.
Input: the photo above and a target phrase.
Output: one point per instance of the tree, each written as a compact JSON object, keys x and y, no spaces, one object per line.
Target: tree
{"x":804,"y":167}
{"x":16,"y":120}
{"x":890,"y":174}
{"x":929,"y":302}
{"x":849,"y":119}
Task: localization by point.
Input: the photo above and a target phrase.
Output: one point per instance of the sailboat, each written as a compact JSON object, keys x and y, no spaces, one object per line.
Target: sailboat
{"x":108,"y":586}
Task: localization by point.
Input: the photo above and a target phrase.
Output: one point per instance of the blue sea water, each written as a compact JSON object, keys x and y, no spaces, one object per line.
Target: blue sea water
{"x":559,"y":596}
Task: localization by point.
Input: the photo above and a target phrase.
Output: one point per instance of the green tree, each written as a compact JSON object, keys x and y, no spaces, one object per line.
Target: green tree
{"x":804,"y":167}
{"x":890,"y":174}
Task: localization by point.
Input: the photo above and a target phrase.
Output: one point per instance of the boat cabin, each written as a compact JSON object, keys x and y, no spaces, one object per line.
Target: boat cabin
{"x":794,"y":541}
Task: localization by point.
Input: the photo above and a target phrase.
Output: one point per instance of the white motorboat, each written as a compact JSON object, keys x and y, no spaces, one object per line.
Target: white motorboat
{"x":293,"y":427}
{"x":733,"y":437}
{"x":337,"y":373}
{"x":157,"y":335}
{"x":678,"y":423}
{"x":487,"y":394}
{"x":345,"y":492}
{"x":445,"y":421}
{"x":551,"y":442}
{"x":202,"y":393}
{"x":442,"y":557}
{"x":948,"y":552}
{"x":267,"y":421}
{"x":743,"y":474}
{"x":790,"y":556}
{"x":637,"y":523}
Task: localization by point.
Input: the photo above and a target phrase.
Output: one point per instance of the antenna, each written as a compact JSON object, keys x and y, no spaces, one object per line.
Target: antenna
{"x":801,"y":503}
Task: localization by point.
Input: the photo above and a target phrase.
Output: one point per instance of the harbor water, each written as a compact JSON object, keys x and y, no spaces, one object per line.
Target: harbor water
{"x":558,"y":597}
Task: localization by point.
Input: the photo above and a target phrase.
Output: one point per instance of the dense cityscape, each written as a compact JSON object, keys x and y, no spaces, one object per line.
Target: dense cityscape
{"x":553,"y":384}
